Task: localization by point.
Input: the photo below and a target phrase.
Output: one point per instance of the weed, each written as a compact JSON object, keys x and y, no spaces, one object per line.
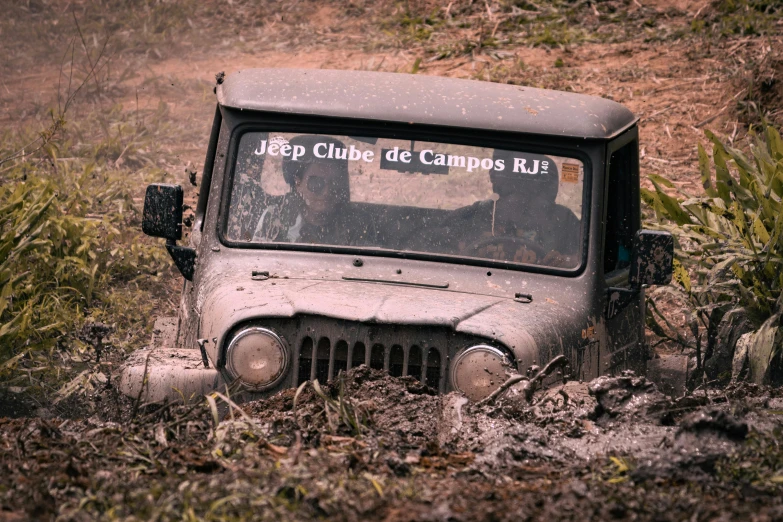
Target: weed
{"x":762,"y":89}
{"x":138,"y":27}
{"x":618,"y":471}
{"x":72,"y":252}
{"x":739,"y":18}
{"x":557,"y":77}
{"x":554,"y":33}
{"x":730,"y":242}
{"x":418,"y":27}
{"x":342,"y":412}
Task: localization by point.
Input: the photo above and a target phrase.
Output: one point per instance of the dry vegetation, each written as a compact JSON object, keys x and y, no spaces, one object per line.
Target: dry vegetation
{"x":100,"y":98}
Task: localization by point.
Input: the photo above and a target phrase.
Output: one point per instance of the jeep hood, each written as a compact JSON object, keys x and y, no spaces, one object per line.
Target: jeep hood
{"x":522,"y":327}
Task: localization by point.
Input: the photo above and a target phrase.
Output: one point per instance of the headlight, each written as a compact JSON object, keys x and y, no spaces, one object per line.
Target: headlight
{"x":478,"y":371}
{"x":258,"y":357}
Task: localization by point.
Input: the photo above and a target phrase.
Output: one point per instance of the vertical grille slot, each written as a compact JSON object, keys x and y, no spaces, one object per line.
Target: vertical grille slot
{"x":433,"y":373}
{"x":358,"y":355}
{"x":322,"y":360}
{"x":305,"y":360}
{"x":396,"y":361}
{"x":414,"y":362}
{"x":376,"y":357}
{"x":340,"y":361}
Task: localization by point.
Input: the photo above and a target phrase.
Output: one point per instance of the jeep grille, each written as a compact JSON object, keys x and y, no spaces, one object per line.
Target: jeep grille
{"x":322,"y":347}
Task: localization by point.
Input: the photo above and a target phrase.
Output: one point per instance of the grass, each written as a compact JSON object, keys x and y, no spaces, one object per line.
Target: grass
{"x":559,"y":76}
{"x":730,"y":18}
{"x":79,"y":284}
{"x":340,"y":412}
{"x":467,"y":26}
{"x":74,"y":259}
{"x":464,"y":27}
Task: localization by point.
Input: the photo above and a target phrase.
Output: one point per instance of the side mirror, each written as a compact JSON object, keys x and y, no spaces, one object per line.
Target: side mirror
{"x":162,"y":215}
{"x":651,"y":259}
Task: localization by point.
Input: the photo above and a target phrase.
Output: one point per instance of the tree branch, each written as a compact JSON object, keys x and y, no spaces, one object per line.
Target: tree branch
{"x":531,"y":385}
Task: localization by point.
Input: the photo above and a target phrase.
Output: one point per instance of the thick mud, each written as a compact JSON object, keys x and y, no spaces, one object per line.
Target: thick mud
{"x":374,"y":446}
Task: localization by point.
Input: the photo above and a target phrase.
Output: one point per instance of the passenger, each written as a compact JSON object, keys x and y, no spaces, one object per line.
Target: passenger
{"x":318,"y":209}
{"x":526,"y":209}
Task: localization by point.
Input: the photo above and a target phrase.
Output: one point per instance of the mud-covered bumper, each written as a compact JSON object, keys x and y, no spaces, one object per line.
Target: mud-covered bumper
{"x":160,"y":373}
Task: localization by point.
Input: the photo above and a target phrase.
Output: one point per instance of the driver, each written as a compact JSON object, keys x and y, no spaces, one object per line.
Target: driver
{"x":318,"y":209}
{"x":525,"y":208}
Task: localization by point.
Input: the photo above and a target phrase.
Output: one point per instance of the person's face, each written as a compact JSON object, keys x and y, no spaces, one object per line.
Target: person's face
{"x":322,"y":188}
{"x":521,"y":195}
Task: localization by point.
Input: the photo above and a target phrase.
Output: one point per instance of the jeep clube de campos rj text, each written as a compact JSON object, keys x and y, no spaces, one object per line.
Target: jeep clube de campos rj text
{"x":449,"y":230}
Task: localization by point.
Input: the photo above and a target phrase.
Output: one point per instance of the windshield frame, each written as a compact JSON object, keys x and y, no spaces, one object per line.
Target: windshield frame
{"x":266,"y":122}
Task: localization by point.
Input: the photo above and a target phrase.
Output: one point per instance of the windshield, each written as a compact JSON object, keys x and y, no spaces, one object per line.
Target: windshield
{"x":409,"y":196}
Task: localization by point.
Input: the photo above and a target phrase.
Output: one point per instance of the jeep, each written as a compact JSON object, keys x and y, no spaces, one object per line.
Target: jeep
{"x":449,"y":230}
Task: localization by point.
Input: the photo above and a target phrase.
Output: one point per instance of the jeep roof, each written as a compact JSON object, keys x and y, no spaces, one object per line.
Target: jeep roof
{"x":430,"y":100}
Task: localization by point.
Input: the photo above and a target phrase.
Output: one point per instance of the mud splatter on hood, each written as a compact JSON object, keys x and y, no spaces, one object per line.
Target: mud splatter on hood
{"x":236,"y":299}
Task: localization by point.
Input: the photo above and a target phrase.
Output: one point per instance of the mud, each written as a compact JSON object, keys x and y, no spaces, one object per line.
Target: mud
{"x":374,"y":446}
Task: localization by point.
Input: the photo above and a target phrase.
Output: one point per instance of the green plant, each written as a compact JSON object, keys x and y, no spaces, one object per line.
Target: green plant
{"x":619,"y":469}
{"x":418,"y":27}
{"x":739,"y":17}
{"x":342,"y":411}
{"x":72,"y":255}
{"x":730,"y":239}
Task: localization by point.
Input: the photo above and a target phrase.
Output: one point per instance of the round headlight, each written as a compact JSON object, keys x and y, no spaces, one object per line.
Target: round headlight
{"x":258,"y":357}
{"x":478,"y":371}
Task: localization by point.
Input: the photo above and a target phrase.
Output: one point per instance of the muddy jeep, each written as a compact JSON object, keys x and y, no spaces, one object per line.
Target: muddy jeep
{"x":449,"y":230}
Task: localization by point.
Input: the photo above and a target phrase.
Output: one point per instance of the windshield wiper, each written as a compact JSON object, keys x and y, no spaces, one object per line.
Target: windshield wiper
{"x":393,"y":282}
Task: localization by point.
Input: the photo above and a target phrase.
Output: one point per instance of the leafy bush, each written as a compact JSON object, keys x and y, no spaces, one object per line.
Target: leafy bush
{"x":70,"y":245}
{"x":730,"y":242}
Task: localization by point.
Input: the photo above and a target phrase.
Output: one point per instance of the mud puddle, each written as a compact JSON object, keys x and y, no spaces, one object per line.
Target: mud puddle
{"x":370,"y":446}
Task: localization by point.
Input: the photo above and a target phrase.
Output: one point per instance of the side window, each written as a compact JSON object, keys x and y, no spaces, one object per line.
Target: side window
{"x":622,"y":207}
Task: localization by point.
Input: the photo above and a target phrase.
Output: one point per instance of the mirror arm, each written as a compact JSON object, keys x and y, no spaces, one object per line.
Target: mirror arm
{"x":184,"y":258}
{"x":619,"y":297}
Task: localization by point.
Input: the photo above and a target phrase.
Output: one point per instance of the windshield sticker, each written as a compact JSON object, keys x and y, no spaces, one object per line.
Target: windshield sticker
{"x":570,"y":173}
{"x":514,"y":164}
{"x":427,"y":161}
{"x":403,"y":195}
